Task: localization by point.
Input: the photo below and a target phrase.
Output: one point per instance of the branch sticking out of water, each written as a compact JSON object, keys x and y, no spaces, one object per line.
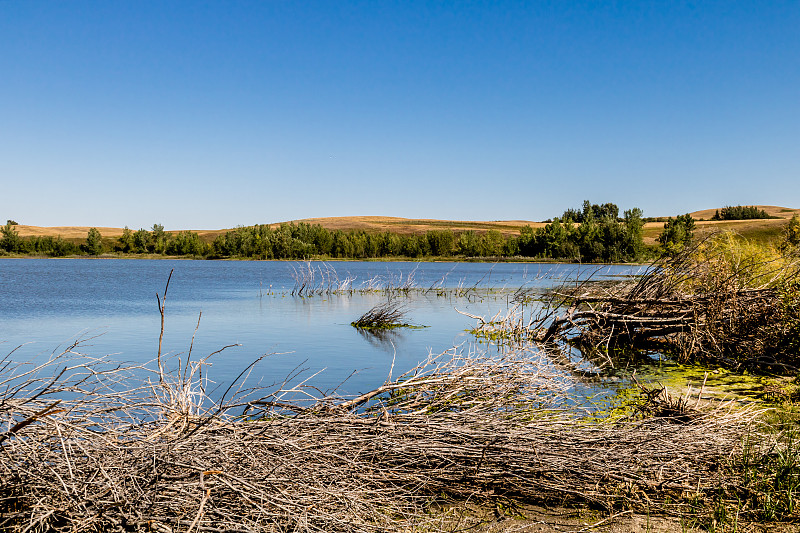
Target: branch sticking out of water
{"x":162,"y":304}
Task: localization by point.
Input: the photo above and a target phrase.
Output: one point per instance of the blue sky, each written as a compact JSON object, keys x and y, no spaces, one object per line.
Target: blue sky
{"x":216,"y":114}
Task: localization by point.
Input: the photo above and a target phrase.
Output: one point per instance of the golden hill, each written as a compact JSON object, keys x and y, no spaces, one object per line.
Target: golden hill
{"x":772,"y":210}
{"x":748,"y":228}
{"x":365,"y":223}
{"x":759,"y":229}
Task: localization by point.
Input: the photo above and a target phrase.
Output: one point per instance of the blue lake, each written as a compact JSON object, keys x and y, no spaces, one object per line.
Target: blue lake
{"x":47,"y":303}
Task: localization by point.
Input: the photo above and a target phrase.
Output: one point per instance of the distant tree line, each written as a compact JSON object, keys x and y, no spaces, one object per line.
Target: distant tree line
{"x":593,"y":233}
{"x":302,"y":241}
{"x":678,"y":233}
{"x":599,"y":236}
{"x":11,"y":242}
{"x":739,"y":212}
{"x":589,"y":210}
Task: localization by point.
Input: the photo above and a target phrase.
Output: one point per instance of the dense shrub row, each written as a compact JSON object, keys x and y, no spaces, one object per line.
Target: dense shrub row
{"x":739,"y":212}
{"x":598,"y":238}
{"x":595,"y":233}
{"x":52,"y":246}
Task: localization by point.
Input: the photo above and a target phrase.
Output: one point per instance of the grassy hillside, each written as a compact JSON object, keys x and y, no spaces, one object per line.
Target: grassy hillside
{"x":760,"y":230}
{"x":409,"y":226}
{"x":753,"y":229}
{"x":370,"y":224}
{"x":772,"y":210}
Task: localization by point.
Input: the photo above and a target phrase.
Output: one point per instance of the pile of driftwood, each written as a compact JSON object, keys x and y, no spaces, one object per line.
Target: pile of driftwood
{"x":90,"y":446}
{"x":708,"y":303}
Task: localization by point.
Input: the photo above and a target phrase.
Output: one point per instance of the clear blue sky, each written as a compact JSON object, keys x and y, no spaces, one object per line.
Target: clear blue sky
{"x":222,"y":113}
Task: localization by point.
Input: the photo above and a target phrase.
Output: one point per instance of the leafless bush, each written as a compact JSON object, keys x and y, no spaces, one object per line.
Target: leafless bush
{"x":322,"y":279}
{"x":319,"y":279}
{"x":385,"y":315}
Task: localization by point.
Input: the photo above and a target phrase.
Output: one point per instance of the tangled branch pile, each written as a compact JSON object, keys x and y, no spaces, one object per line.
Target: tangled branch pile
{"x":85,"y":445}
{"x":722,"y":300}
{"x":389,"y":314}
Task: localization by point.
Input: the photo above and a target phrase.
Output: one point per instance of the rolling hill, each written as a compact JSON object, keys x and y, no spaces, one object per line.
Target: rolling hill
{"x":757,"y":229}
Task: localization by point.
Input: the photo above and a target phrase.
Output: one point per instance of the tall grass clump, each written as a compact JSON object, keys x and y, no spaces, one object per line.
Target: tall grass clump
{"x":771,"y":476}
{"x":727,"y":262}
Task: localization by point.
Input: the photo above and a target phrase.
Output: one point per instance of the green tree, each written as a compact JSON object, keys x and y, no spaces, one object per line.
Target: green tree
{"x":492,"y":243}
{"x":590,"y":211}
{"x":125,"y":241}
{"x":557,"y":241}
{"x":11,"y":241}
{"x":511,"y":247}
{"x":634,"y":235}
{"x":441,"y":242}
{"x":572,"y":215}
{"x":678,"y":232}
{"x":141,"y":239}
{"x":469,"y":244}
{"x":342,"y":246}
{"x":158,"y":239}
{"x":94,"y":242}
{"x":415,"y":246}
{"x":527,"y":241}
{"x":589,"y":237}
{"x":740,"y":212}
{"x":607,"y":210}
{"x":791,"y":236}
{"x":186,"y":243}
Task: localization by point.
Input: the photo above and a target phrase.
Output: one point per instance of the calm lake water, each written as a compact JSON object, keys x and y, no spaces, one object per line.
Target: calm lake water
{"x":47,"y":303}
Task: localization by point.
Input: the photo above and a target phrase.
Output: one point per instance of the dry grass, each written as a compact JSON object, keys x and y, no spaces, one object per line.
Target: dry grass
{"x":369,"y":224}
{"x":66,"y":232}
{"x":405,"y":226}
{"x":761,"y":230}
{"x":772,"y":210}
{"x":78,"y":233}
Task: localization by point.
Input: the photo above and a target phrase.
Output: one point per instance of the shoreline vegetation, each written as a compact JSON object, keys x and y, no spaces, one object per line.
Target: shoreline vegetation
{"x":592,"y":234}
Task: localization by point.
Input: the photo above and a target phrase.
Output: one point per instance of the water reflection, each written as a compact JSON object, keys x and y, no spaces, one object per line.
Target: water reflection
{"x":383,"y":339}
